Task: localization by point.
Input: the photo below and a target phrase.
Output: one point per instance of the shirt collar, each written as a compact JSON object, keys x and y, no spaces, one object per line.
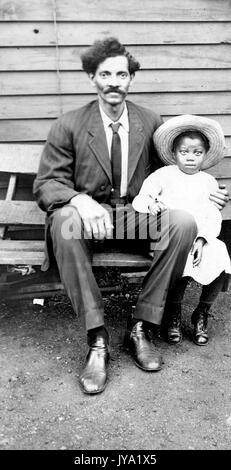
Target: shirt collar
{"x":123,"y":118}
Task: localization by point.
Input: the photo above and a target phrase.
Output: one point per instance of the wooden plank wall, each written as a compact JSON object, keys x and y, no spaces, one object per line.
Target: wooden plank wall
{"x":183,"y":47}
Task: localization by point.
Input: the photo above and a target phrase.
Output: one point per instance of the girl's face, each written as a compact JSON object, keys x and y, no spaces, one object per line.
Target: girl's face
{"x":189,"y":154}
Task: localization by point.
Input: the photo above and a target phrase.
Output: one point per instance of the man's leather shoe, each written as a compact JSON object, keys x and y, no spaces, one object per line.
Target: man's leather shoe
{"x":142,"y":349}
{"x":94,"y":375}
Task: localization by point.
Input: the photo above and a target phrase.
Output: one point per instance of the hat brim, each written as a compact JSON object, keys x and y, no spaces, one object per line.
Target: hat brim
{"x":165,"y":135}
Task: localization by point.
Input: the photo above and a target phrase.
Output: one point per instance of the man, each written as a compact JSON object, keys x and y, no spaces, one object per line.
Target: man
{"x":88,"y":162}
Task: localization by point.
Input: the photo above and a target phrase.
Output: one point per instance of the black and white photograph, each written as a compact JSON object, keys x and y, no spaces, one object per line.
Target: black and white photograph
{"x":115,"y":230}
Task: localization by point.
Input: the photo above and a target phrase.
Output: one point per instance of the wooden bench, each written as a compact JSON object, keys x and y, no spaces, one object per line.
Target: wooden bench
{"x":20,"y":216}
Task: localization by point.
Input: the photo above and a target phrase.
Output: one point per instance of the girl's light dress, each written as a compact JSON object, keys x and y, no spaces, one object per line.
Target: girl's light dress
{"x":178,"y":190}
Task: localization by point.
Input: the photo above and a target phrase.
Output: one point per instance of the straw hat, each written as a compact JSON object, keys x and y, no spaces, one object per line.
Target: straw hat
{"x":167,"y":132}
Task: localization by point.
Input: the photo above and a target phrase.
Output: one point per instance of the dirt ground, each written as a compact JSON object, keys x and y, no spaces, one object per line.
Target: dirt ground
{"x":187,"y":405}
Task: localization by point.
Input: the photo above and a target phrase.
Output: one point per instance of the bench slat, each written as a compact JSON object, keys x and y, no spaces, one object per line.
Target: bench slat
{"x":121,"y":260}
{"x":21,"y":213}
{"x":21,"y":257}
{"x":20,"y":158}
{"x":22,"y":245}
{"x":31,"y":252}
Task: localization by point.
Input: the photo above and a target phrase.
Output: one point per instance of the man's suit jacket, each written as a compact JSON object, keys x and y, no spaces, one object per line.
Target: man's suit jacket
{"x":76,"y":159}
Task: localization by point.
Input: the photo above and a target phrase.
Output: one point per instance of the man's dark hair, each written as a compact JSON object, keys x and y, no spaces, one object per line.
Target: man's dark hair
{"x":192,"y":135}
{"x":102,"y":50}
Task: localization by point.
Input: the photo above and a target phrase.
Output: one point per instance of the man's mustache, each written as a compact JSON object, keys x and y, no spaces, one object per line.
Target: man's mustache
{"x":113,"y":90}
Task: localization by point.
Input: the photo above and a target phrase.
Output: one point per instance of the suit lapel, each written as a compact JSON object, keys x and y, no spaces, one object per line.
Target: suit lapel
{"x":97,"y":142}
{"x":136,"y":140}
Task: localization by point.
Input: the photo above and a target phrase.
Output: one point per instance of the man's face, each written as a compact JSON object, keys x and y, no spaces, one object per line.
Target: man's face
{"x":112,"y":80}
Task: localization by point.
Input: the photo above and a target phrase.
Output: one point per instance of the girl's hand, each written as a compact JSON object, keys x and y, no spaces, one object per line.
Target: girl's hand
{"x":156,"y":206}
{"x":197,"y":251}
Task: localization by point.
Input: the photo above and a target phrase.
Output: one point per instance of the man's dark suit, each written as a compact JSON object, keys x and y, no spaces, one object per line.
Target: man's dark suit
{"x":76,"y":159}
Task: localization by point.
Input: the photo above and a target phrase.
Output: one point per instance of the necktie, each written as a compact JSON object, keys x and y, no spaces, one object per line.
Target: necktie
{"x":116,"y":159}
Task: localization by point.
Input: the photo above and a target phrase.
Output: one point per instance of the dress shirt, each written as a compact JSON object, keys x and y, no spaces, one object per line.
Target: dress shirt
{"x":124,"y":134}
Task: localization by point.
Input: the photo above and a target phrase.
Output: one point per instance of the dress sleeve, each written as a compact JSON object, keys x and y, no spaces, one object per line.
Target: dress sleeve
{"x":150,"y":189}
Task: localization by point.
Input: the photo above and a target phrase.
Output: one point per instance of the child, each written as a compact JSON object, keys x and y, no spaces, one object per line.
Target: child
{"x":189,"y":144}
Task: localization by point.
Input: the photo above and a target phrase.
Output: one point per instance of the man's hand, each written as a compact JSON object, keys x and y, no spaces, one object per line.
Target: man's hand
{"x":96,"y":219}
{"x":197,"y":251}
{"x":220,"y":197}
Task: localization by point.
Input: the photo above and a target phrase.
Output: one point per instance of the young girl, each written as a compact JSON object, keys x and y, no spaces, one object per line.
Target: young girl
{"x":189,"y":144}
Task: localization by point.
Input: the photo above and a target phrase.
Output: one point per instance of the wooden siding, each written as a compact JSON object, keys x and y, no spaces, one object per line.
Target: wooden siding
{"x":184,"y":47}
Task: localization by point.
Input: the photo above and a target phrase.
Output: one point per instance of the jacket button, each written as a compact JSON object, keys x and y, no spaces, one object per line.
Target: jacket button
{"x":102,"y":187}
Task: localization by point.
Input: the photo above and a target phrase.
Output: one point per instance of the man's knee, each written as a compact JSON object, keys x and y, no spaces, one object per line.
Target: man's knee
{"x":66,"y":224}
{"x":183,"y":222}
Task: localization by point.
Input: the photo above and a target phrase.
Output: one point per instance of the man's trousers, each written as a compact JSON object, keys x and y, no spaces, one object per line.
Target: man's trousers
{"x":73,"y":252}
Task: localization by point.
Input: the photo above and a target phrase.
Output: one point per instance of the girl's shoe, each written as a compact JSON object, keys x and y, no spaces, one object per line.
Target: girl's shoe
{"x":200,"y":321}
